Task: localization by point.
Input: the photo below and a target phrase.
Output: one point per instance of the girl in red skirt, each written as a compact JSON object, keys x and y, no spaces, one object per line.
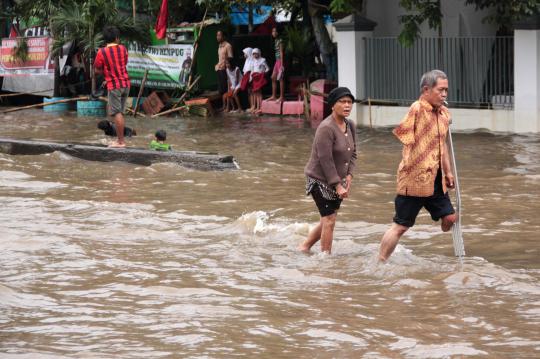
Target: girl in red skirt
{"x":259,"y":68}
{"x":244,"y":84}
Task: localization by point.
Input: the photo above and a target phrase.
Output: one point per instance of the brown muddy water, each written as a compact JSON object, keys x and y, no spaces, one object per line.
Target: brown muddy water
{"x":111,"y":260}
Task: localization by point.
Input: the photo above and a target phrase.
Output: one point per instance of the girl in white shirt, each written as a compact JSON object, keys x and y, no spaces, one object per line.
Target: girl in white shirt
{"x":259,"y":68}
{"x":234,"y":76}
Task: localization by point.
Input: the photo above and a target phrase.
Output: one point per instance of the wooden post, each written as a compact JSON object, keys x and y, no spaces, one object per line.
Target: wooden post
{"x":143,"y":82}
{"x":134,"y":6}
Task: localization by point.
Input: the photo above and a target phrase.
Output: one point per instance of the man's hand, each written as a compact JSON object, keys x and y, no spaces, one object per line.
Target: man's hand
{"x":450,"y":180}
{"x":342,"y":191}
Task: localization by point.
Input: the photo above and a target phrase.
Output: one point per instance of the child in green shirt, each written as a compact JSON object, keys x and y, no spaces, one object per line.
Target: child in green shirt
{"x":158,"y":143}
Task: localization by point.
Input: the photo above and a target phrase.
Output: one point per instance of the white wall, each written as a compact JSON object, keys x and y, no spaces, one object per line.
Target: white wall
{"x":462,"y":119}
{"x":527,"y":80}
{"x":458,"y":19}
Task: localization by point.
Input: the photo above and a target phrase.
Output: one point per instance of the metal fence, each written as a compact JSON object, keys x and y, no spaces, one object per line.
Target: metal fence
{"x":480,"y":69}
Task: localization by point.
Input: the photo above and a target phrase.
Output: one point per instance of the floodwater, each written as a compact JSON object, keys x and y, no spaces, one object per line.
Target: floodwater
{"x":111,"y":260}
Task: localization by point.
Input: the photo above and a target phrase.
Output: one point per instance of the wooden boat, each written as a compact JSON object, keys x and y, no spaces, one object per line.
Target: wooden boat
{"x":139,"y":156}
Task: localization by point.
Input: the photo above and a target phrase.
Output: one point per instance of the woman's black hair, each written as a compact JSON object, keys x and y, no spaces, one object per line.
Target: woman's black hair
{"x":231,"y":61}
{"x":110,"y":33}
{"x":161,"y":135}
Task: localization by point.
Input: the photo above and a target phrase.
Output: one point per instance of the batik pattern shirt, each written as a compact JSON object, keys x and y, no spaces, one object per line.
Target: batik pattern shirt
{"x":423,"y":134}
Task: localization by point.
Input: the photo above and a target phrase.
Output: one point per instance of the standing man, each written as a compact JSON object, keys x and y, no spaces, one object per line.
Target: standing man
{"x":225,"y":51}
{"x":112,"y":60}
{"x":424,"y":172}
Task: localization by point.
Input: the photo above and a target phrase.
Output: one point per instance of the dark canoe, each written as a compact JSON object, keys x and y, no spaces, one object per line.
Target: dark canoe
{"x":139,"y":156}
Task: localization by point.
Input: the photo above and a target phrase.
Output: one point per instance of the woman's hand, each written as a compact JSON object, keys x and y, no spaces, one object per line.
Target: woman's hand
{"x":348,"y":180}
{"x":342,"y":191}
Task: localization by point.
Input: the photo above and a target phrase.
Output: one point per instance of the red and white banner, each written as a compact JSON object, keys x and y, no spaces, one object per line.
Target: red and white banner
{"x":39,"y":59}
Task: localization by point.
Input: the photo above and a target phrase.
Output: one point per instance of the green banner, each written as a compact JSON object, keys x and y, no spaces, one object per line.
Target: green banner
{"x":168,"y":65}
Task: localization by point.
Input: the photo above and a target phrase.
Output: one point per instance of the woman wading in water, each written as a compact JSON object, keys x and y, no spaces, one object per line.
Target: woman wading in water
{"x":330,"y":167}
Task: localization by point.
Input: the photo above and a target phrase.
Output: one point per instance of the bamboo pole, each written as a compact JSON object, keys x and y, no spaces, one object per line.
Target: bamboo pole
{"x":180,"y":99}
{"x":195,"y":48}
{"x":143,"y":82}
{"x":25,"y":93}
{"x":169,"y":111}
{"x":134,"y":6}
{"x":46,"y":104}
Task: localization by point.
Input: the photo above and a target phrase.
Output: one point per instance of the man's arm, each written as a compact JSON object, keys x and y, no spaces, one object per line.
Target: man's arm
{"x":446,"y":166}
{"x":98,"y":64}
{"x":405,"y":130}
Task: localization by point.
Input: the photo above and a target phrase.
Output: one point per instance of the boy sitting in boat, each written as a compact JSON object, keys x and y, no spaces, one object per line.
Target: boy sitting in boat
{"x":158,"y":143}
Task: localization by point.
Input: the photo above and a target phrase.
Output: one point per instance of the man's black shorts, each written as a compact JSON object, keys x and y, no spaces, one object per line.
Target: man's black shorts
{"x":408,"y":207}
{"x":222,"y":81}
{"x":326,"y":207}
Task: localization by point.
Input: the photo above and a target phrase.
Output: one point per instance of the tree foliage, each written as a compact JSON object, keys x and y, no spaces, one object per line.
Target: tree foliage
{"x":419,"y":12}
{"x":506,"y":12}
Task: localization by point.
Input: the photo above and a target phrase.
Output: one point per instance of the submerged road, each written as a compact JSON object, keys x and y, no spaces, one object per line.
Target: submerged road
{"x":108,"y":260}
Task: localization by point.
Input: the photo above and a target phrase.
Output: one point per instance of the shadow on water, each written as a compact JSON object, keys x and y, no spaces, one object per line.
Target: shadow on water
{"x":115,"y":260}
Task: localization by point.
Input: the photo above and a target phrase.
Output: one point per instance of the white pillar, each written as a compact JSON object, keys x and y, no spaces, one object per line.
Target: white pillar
{"x":527,"y":79}
{"x":351,"y":50}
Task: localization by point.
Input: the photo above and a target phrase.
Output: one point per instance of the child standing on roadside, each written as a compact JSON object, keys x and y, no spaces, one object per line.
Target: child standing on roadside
{"x":259,"y":68}
{"x":244,"y":84}
{"x":234,"y":76}
{"x":279,"y":69}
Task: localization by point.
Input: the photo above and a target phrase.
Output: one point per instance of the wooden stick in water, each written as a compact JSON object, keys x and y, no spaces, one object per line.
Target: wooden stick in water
{"x":169,"y":111}
{"x":143,"y":82}
{"x":46,"y":104}
{"x":24,"y":93}
{"x":180,"y":99}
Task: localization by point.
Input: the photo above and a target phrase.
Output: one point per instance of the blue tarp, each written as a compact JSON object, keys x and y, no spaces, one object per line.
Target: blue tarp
{"x":239,"y":14}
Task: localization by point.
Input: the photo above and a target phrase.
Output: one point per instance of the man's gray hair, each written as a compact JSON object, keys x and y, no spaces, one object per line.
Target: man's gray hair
{"x":430,"y":78}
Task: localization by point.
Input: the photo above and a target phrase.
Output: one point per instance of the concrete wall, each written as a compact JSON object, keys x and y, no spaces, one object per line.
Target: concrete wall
{"x":462,"y":119}
{"x":527,"y":80}
{"x":458,"y":19}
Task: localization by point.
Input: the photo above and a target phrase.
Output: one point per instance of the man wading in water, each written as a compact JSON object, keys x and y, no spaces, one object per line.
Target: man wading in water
{"x":420,"y":183}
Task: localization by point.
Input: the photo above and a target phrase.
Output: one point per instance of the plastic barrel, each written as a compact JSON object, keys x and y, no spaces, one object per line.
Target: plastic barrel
{"x":57,"y":107}
{"x":91,"y":108}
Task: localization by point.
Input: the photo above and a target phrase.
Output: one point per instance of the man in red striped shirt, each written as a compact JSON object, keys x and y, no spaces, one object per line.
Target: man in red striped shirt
{"x":111,"y":60}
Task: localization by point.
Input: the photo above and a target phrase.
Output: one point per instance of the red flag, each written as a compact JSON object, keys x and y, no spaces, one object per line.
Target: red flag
{"x":161,"y":23}
{"x":13,"y":32}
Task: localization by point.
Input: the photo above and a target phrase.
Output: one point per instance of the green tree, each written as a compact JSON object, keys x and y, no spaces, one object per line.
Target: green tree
{"x":506,"y":12}
{"x":419,"y":12}
{"x":81,"y":25}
